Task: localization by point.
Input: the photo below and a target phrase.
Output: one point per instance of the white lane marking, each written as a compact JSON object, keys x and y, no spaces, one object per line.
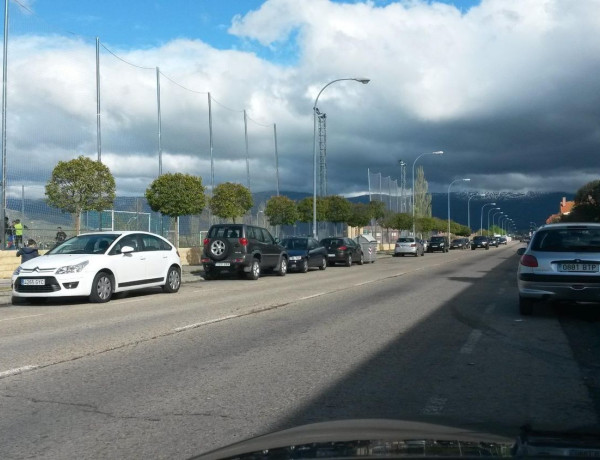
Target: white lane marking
{"x":365,"y":282}
{"x":16,"y":371}
{"x":204,"y":323}
{"x":20,"y":317}
{"x":435,"y":405}
{"x":472,"y":340}
{"x":489,"y":309}
{"x":313,"y":295}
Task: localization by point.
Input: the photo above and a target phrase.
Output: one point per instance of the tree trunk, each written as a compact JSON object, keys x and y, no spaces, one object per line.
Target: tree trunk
{"x":77,"y":219}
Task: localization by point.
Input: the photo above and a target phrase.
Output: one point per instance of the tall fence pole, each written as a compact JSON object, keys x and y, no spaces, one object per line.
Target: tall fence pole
{"x":98,"y":130}
{"x":247,"y":154}
{"x":4,"y":77}
{"x":159,"y":121}
{"x":276,"y":157}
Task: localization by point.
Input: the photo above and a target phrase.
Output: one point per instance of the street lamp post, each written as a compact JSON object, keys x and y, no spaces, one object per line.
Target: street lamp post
{"x":488,"y":222}
{"x":494,"y":216}
{"x":469,"y":207}
{"x":466,"y":179}
{"x":437,"y":152}
{"x":481,"y":224}
{"x":364,"y":81}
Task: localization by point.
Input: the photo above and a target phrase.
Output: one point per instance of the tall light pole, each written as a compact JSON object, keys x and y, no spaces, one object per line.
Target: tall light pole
{"x":437,"y":152}
{"x":481,"y":224}
{"x":494,"y":216}
{"x":364,"y":81}
{"x":488,"y":223}
{"x":466,"y":179}
{"x":469,"y":207}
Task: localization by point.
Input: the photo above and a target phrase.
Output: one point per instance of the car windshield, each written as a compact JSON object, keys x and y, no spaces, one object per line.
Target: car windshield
{"x":480,"y":238}
{"x":437,"y":239}
{"x":333,"y":242}
{"x":295,"y":243}
{"x":86,"y":244}
{"x":567,"y":240}
{"x":406,"y":240}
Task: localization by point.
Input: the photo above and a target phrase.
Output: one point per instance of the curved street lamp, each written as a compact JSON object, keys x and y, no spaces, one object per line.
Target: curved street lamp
{"x":466,"y":179}
{"x":437,"y":152}
{"x":488,"y":222}
{"x":469,"y":207}
{"x":493,"y":217}
{"x":481,"y":224}
{"x":364,"y":81}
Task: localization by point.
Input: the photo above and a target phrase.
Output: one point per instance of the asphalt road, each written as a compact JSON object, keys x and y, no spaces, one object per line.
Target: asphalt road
{"x":436,"y":338}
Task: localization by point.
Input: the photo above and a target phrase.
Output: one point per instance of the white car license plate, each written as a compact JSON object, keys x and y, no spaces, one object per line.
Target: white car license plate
{"x":223,"y":264}
{"x":586,"y":268}
{"x":331,"y":255}
{"x":33,"y":282}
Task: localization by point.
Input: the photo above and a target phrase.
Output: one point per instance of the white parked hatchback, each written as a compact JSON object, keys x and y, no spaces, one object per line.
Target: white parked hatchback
{"x":97,"y":265}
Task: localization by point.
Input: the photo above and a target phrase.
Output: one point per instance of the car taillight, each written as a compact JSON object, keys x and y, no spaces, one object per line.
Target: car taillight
{"x":244,"y":241}
{"x":342,"y":248}
{"x":529,"y":261}
{"x":413,"y":245}
{"x":206,"y":241}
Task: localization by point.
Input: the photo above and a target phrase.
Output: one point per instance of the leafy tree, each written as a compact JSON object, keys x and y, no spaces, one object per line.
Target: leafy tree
{"x":339,"y":209}
{"x":176,"y":195}
{"x":587,"y":204}
{"x":388,"y":221}
{"x":439,"y":225}
{"x":376,"y":210}
{"x":281,"y":210}
{"x":425,"y":224}
{"x":305,"y":209}
{"x":80,"y":185}
{"x":422,"y":198}
{"x":230,"y":201}
{"x":359,"y":215}
{"x":403,"y":221}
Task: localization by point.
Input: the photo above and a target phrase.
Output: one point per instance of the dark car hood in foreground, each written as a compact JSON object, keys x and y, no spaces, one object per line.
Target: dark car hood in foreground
{"x":405,"y":439}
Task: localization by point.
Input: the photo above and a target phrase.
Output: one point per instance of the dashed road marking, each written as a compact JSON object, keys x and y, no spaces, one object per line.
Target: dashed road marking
{"x":204,"y":323}
{"x":435,"y":405}
{"x":313,"y":295}
{"x":472,"y":340}
{"x":21,"y":317}
{"x":16,"y":370}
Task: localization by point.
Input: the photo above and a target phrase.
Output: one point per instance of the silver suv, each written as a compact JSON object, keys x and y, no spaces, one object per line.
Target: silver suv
{"x":243,"y":249}
{"x":562,"y":262}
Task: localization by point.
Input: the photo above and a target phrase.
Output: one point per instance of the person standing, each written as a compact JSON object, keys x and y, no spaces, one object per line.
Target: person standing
{"x":18,"y":226}
{"x":8,"y":233}
{"x":60,"y":236}
{"x":30,"y":251}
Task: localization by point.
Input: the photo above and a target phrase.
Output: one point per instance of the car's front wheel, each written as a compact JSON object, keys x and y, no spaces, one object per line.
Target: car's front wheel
{"x":102,"y":288}
{"x":349,"y":261}
{"x":173,"y":280}
{"x":254,"y":272}
{"x":525,"y":306}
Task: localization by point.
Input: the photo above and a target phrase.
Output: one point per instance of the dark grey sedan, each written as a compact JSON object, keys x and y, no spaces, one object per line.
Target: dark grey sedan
{"x":304,"y":253}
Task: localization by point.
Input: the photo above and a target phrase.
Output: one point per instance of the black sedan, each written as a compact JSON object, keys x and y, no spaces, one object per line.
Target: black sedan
{"x":343,"y":250}
{"x":304,"y":253}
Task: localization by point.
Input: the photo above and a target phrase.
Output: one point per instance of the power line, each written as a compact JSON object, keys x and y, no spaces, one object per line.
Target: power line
{"x":126,"y":62}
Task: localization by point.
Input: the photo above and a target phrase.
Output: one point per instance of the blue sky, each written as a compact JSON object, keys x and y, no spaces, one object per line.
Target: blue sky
{"x":506,"y":88}
{"x":147,"y":23}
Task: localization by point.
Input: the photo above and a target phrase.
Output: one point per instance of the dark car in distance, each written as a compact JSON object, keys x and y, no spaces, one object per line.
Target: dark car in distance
{"x":459,"y":243}
{"x":480,"y":242}
{"x":304,"y":253}
{"x":243,"y":249}
{"x":438,"y":243}
{"x":343,"y":250}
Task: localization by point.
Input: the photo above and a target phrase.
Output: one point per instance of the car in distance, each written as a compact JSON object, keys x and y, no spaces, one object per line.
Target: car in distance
{"x":438,"y":243}
{"x":480,"y":242}
{"x":503,"y":240}
{"x":246,"y":250}
{"x":562,"y":262}
{"x":304,"y":253}
{"x":459,"y":243}
{"x":494,"y":241}
{"x":425,"y":244}
{"x":408,"y":245}
{"x":343,"y":250}
{"x":98,"y":265}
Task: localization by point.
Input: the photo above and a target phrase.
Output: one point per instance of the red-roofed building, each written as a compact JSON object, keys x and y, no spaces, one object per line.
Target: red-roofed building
{"x":564,"y":209}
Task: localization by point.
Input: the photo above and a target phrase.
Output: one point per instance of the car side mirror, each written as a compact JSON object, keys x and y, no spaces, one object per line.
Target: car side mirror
{"x":277,"y":240}
{"x":521,"y":251}
{"x":126,"y":250}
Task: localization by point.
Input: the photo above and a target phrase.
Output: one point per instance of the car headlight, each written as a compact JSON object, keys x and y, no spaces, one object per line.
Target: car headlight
{"x":295,"y":257}
{"x":72,"y":268}
{"x":17,"y":271}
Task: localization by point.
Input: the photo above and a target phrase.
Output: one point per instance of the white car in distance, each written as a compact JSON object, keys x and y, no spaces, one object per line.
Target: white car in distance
{"x":97,"y":265}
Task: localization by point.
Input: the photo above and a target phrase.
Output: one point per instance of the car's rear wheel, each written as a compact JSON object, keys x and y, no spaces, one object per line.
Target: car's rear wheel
{"x":209,"y":275}
{"x":18,"y":300}
{"x":254,"y":272}
{"x":525,"y":306}
{"x":349,"y":260}
{"x":102,"y":288}
{"x":283,"y":267}
{"x":361,"y":261}
{"x":304,"y":267}
{"x":173,"y":280}
{"x":323,"y":265}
